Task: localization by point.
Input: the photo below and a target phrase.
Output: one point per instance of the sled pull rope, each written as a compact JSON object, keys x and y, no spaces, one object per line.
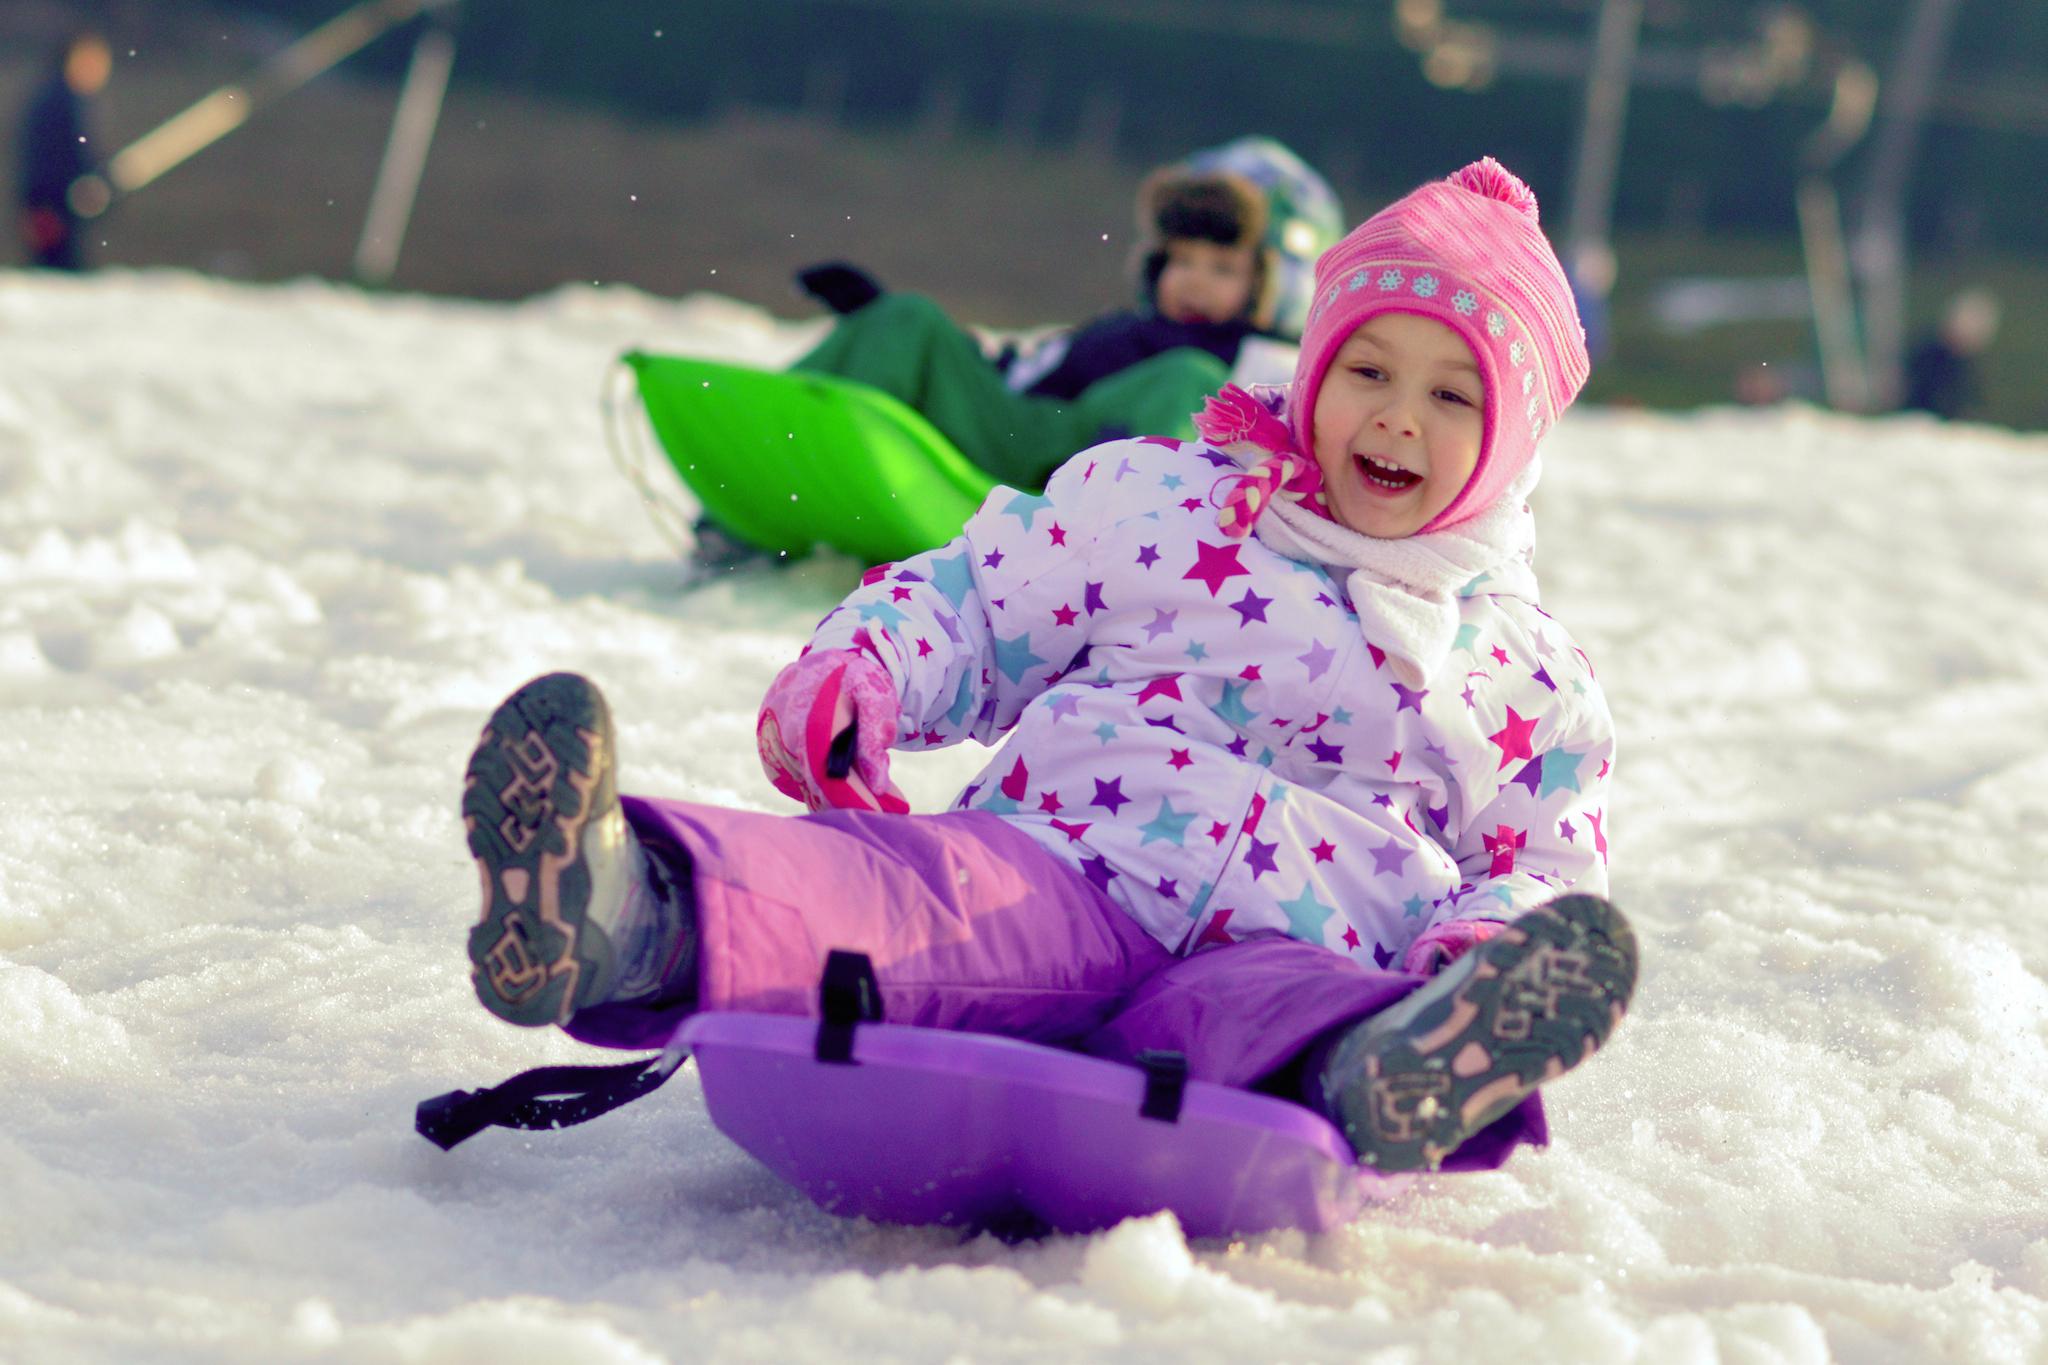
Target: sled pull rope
{"x":848,"y":996}
{"x":544,"y":1098}
{"x":631,"y":451}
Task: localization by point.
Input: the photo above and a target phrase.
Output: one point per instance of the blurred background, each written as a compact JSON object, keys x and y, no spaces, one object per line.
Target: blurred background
{"x":1819,"y":201}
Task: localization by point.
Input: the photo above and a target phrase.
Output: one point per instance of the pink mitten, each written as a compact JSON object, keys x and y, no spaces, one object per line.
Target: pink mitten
{"x":1437,"y":948}
{"x":808,"y":706}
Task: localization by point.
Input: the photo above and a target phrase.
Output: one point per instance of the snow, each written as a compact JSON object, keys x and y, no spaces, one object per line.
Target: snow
{"x":269,"y":555}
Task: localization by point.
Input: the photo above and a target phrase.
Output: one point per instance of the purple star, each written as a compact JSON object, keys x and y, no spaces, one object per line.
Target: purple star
{"x":1098,"y":871}
{"x":1260,"y":859}
{"x":992,"y":558}
{"x":1169,"y":888}
{"x":1251,"y":607}
{"x":1161,"y":623}
{"x":1214,"y":564}
{"x":1531,"y":776}
{"x":1148,"y":555}
{"x":1220,"y":461}
{"x":1318,"y":660}
{"x":1109,"y":795}
{"x":1410,"y":699}
{"x":1440,"y":815}
{"x":1325,"y":751}
{"x":1091,"y":601}
{"x":1542,"y":675}
{"x":1066,"y":704}
{"x":1124,"y":468}
{"x":1239,"y":745}
{"x":1565,"y":832}
{"x":1388,"y":859}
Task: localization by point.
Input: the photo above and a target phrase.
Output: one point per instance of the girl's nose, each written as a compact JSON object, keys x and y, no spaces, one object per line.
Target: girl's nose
{"x":1395,"y":417}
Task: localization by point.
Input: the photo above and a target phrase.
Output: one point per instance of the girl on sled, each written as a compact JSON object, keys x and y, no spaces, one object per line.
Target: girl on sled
{"x":1295,"y":776}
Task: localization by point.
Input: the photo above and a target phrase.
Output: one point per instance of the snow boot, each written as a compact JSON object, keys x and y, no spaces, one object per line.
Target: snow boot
{"x":840,"y":286}
{"x":1414,"y":1081}
{"x":576,"y":912}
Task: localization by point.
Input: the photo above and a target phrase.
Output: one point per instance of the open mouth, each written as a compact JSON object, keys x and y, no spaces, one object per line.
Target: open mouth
{"x":1387,"y":478}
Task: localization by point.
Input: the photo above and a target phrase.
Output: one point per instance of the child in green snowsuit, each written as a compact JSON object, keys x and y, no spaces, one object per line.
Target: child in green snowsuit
{"x":1143,"y":371}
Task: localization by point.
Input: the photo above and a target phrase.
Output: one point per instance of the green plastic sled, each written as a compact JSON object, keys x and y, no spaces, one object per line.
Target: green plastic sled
{"x":790,"y":461}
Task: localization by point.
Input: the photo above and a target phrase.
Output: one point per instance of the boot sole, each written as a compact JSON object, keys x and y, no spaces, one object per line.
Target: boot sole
{"x":540,"y":777}
{"x":1520,"y":1009}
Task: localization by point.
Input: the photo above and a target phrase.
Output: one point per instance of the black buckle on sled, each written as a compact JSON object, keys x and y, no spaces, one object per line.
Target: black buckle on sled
{"x":1166,"y":1084}
{"x":543,"y":1098}
{"x":848,"y":996}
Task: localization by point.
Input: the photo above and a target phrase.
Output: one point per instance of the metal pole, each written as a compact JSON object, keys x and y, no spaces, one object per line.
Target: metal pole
{"x":1592,"y":199}
{"x":1844,"y":370}
{"x":229,"y":107}
{"x":1880,"y":250}
{"x":405,"y":156}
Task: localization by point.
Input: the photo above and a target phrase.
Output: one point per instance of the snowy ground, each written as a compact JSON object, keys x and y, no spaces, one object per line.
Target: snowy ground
{"x":268,"y":556}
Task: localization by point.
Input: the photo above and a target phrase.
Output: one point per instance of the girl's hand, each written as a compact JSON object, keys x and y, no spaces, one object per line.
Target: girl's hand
{"x":812,"y":703}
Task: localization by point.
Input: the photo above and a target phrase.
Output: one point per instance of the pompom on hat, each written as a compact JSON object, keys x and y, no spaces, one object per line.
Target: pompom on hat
{"x":1466,"y":251}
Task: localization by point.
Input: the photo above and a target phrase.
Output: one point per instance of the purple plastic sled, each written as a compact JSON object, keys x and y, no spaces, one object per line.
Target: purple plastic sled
{"x":925,"y":1126}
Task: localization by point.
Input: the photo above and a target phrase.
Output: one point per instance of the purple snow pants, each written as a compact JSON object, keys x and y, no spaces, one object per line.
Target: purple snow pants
{"x":970,"y":925}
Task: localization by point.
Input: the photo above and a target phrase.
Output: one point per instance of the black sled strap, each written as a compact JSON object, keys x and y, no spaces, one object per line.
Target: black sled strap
{"x":848,"y":996}
{"x":1166,"y":1084}
{"x":546,"y":1097}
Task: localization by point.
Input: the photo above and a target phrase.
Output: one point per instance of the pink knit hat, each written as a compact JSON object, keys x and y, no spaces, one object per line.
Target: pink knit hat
{"x":1467,"y":252}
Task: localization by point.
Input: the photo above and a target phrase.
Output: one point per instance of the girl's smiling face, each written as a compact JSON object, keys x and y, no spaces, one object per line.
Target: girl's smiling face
{"x":1399,"y":423}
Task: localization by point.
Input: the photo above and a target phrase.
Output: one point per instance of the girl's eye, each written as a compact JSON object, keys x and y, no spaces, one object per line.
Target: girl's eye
{"x":1367,"y":371}
{"x":1452,"y":395}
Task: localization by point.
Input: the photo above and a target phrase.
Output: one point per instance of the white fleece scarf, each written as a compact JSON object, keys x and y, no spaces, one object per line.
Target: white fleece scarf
{"x":1406,"y":591}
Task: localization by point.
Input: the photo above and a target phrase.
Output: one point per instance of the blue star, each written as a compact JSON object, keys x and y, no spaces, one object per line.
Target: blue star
{"x":1467,"y":639}
{"x":999,"y":804}
{"x":1413,"y":907}
{"x":1170,"y":482}
{"x":1170,"y":825}
{"x":952,"y":577}
{"x":1340,"y":717}
{"x":1198,"y":651}
{"x":1014,"y":657}
{"x":1560,"y":772}
{"x":1307,"y":916}
{"x":1025,"y":507}
{"x":963,"y":702}
{"x":1105,"y":732}
{"x":1232,"y":708}
{"x":888,"y":613}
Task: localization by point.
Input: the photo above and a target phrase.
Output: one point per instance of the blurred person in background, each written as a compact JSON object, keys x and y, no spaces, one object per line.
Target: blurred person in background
{"x":55,"y":181}
{"x":1941,"y":373}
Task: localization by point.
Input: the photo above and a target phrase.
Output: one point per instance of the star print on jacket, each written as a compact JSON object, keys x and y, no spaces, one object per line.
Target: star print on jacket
{"x":1197,"y":725}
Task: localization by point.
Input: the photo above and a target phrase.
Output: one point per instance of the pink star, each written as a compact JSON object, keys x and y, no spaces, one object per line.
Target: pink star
{"x":1599,"y":835}
{"x":1058,"y":534}
{"x":1379,"y":656}
{"x":924,"y":647}
{"x":1065,"y":615}
{"x":1214,"y":932}
{"x":1215,"y":564}
{"x":1017,"y":783}
{"x":1393,"y":761}
{"x":1513,"y":738}
{"x":1250,"y":673}
{"x":1168,"y":686}
{"x":899,"y":593}
{"x":1049,"y":803}
{"x":1499,"y":655}
{"x":1350,"y":936}
{"x":1217,"y":830}
{"x":1325,"y":851}
{"x":1072,"y":831}
{"x":1179,"y":760}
